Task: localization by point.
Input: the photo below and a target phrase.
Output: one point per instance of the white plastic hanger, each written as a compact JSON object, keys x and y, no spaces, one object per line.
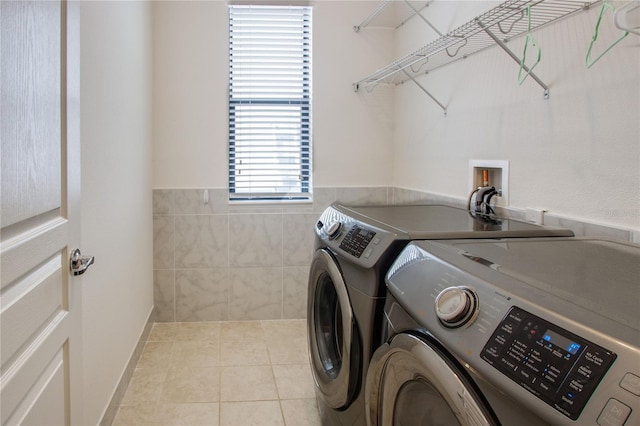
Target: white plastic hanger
{"x":627,"y":17}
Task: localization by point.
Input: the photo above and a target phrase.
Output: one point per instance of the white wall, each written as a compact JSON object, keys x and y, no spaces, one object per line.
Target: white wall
{"x":351,"y":131}
{"x":116,"y":191}
{"x":576,"y":154}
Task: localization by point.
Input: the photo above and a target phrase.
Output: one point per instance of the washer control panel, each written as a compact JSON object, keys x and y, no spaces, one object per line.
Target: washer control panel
{"x":557,"y":366}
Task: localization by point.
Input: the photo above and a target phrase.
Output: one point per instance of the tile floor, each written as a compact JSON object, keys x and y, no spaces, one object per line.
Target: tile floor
{"x":222,"y":373}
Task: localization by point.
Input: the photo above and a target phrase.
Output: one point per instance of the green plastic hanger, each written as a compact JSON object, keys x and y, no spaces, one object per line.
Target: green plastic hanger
{"x":528,"y":41}
{"x":605,"y":7}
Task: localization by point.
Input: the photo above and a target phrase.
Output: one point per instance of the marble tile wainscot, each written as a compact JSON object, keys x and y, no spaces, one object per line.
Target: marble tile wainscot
{"x":218,"y":261}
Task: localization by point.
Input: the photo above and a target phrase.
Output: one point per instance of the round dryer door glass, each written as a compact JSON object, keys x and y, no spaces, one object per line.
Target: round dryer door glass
{"x":328,"y":326}
{"x":333,"y":345}
{"x":410,"y":408}
{"x":413,"y":381}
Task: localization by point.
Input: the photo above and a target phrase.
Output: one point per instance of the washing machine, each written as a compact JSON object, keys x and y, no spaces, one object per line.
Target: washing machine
{"x":521,"y":331}
{"x":354,"y":248}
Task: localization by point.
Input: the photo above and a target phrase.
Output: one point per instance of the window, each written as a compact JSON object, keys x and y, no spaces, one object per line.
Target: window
{"x":269,"y":102}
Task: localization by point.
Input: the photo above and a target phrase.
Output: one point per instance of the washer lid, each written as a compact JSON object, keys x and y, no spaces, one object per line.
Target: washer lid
{"x":600,"y":276}
{"x":444,"y":222}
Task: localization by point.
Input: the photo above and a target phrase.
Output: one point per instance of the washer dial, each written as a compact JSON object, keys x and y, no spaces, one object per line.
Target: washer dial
{"x":456,"y":306}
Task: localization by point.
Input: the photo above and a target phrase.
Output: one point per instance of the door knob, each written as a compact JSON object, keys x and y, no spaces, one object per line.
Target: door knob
{"x":80,"y":263}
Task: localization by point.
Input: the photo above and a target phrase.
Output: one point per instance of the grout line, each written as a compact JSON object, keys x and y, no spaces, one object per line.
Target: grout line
{"x":229,"y":286}
{"x":173,"y":338}
{"x":173,"y":265}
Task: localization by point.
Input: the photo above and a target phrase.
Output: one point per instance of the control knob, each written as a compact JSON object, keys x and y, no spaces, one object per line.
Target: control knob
{"x":334,"y":230}
{"x":456,"y":306}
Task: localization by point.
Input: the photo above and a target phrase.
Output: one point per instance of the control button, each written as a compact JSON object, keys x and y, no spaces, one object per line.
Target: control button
{"x":546,"y":389}
{"x":576,"y":385}
{"x":456,"y":306}
{"x":508,"y":327}
{"x":491,"y":353}
{"x":585,"y":371}
{"x":368,"y":252}
{"x":516,"y":316}
{"x":567,"y":401}
{"x":376,"y":240}
{"x":501,"y":338}
{"x":334,"y":230}
{"x":615,"y":413}
{"x":595,"y":358}
{"x":631,"y":382}
{"x":577,"y":389}
{"x":507,"y":364}
{"x":525,"y":376}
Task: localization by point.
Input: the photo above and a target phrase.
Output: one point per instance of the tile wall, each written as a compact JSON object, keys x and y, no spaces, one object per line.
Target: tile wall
{"x":217,"y":261}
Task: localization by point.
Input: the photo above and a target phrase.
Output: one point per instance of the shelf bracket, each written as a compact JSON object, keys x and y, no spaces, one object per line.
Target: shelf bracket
{"x":426,"y":91}
{"x":372,"y":16}
{"x":514,"y":57}
{"x":417,"y":12}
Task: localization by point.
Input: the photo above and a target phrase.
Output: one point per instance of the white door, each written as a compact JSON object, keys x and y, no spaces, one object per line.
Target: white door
{"x":40,"y":330}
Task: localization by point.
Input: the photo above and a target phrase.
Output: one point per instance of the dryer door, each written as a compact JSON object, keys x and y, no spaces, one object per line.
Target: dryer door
{"x":334,"y":345}
{"x":411,"y":381}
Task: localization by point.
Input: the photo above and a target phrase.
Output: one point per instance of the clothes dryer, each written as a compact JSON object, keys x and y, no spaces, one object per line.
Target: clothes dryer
{"x":526,"y":331}
{"x":354,"y":248}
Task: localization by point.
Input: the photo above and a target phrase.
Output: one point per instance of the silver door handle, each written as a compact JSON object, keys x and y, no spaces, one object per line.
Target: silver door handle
{"x":79,"y":263}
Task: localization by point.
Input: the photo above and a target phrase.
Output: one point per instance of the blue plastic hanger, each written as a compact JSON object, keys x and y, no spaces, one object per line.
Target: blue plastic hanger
{"x":605,"y":7}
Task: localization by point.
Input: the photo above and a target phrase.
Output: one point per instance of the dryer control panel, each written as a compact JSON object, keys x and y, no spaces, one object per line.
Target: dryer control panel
{"x":357,"y":240}
{"x":557,"y":366}
{"x":359,"y":243}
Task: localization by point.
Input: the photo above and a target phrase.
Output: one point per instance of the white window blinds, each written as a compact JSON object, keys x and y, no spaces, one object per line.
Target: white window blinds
{"x":269,"y":102}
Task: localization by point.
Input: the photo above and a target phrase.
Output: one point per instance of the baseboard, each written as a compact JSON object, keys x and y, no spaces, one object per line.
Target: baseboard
{"x":112,"y":408}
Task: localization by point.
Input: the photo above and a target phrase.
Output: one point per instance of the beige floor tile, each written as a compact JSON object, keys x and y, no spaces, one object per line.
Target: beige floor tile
{"x":294,"y":381}
{"x":145,"y":386}
{"x":258,"y":413}
{"x":194,"y":414}
{"x":251,"y":383}
{"x":244,"y":352}
{"x":284,"y":329}
{"x":190,"y":384}
{"x":134,"y":415}
{"x":222,"y":373}
{"x":288,"y":350}
{"x":156,"y":355}
{"x":163,"y":332}
{"x":204,"y":331}
{"x":241,"y":330}
{"x":300,"y":412}
{"x":196,"y":353}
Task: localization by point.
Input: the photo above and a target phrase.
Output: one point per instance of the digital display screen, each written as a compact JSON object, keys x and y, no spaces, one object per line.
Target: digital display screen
{"x":561,"y":341}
